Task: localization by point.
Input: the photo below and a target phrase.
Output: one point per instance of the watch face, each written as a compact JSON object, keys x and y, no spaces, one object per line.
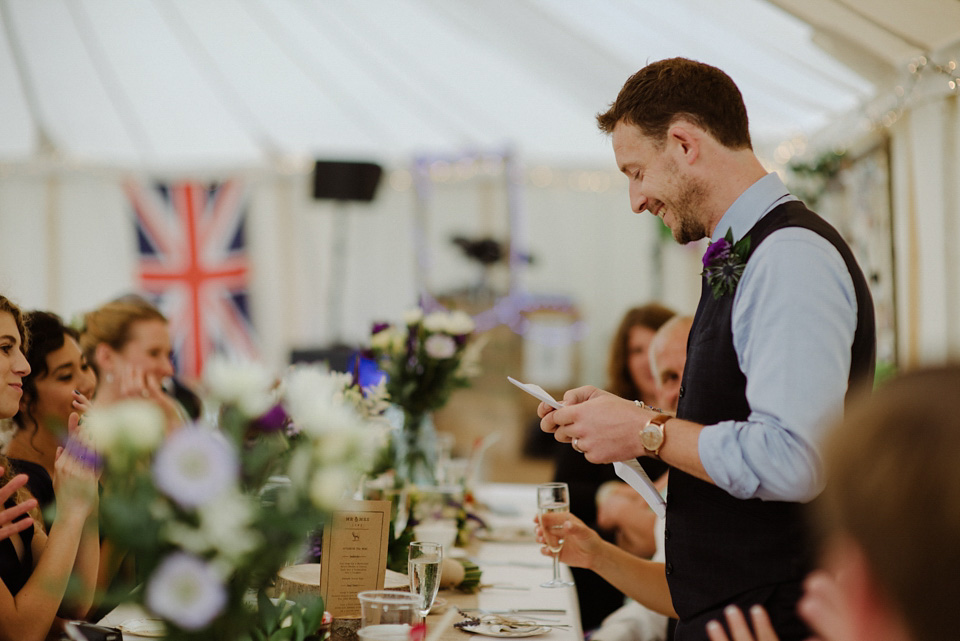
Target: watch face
{"x":651,"y":437}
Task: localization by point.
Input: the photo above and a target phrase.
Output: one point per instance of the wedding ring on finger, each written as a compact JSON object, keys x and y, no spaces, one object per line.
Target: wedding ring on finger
{"x":574,"y":444}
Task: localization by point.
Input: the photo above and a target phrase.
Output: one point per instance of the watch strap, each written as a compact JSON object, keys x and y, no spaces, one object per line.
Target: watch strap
{"x":660,"y":420}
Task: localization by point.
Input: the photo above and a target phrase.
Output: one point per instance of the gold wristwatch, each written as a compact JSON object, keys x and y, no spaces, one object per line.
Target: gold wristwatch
{"x":652,"y":434}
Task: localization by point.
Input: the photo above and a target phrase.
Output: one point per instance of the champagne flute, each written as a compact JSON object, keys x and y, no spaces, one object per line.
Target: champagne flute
{"x":553,"y":498}
{"x":423,"y":568}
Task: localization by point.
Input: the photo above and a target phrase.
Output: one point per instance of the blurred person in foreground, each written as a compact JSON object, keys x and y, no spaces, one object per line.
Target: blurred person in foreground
{"x":783,"y":331}
{"x":889,"y":519}
{"x":628,"y":375}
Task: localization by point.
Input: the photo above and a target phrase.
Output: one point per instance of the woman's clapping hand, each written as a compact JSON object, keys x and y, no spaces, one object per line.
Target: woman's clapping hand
{"x":9,"y":524}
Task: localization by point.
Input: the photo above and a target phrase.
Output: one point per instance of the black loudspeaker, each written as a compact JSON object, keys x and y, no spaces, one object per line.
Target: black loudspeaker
{"x":338,"y":357}
{"x":344,"y":180}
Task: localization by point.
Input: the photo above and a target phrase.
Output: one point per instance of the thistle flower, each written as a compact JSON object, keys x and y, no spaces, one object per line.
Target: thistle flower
{"x":195,"y":465}
{"x":187,"y":591}
{"x":724,"y":262}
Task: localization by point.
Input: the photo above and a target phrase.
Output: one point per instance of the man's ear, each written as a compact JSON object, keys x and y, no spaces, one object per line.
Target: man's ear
{"x":685,"y":140}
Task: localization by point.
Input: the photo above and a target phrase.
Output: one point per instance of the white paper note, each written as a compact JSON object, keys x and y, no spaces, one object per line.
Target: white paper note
{"x":631,"y":472}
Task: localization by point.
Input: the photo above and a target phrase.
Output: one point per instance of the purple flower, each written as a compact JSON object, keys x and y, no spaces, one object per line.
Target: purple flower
{"x":724,"y":262}
{"x":716,"y":251}
{"x":273,"y":420}
{"x":379,"y":327}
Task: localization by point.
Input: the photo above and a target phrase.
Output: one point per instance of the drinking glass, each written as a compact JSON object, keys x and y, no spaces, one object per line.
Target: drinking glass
{"x":376,"y":490}
{"x":553,"y":498}
{"x":386,"y":615}
{"x":423,"y":568}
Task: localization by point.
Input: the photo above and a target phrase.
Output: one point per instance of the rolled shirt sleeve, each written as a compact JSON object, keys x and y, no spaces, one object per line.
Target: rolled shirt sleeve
{"x":794,"y":318}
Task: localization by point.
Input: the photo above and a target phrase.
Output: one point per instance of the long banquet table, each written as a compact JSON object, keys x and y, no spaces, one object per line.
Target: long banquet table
{"x":512,"y":570}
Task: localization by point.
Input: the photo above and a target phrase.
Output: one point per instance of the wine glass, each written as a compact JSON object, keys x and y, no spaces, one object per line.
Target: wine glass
{"x":423,"y":568}
{"x":553,"y":498}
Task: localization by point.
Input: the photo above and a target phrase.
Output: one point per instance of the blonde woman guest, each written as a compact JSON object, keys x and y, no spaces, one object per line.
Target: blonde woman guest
{"x":35,"y":567}
{"x":128,"y":343}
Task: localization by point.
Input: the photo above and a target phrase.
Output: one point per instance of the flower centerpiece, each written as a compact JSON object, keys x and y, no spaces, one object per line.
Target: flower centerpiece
{"x":213,"y":510}
{"x":424,"y":359}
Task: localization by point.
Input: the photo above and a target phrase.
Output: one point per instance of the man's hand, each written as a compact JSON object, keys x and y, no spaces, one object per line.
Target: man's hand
{"x":606,"y":426}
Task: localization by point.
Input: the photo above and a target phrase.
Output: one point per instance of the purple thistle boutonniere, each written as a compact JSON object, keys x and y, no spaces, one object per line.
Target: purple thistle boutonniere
{"x":723,"y":263}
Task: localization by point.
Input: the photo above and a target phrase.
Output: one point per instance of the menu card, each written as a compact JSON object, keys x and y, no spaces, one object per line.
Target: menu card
{"x":354,"y":555}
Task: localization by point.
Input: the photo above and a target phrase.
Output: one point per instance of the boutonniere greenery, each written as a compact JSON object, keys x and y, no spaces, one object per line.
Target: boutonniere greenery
{"x":723,"y":263}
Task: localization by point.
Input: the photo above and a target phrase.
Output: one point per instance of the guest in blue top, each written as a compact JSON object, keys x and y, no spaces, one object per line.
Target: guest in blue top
{"x":783,"y":332}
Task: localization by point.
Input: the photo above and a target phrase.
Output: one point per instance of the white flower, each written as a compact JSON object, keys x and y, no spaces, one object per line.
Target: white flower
{"x":226,"y":522}
{"x":460,"y":323}
{"x":245,"y":384}
{"x":328,"y":487}
{"x":224,"y":529}
{"x":391,"y":341}
{"x":440,"y":346}
{"x":132,"y":424}
{"x":186,"y":591}
{"x":435,"y":322}
{"x":195,"y":465}
{"x":412,"y":316}
{"x":456,"y":323}
{"x":315,"y":401}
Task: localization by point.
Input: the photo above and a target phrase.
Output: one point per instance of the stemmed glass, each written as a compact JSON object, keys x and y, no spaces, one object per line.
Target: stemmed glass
{"x":553,"y":498}
{"x":423,"y":568}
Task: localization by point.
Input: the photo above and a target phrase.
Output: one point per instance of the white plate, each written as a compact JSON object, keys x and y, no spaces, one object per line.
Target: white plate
{"x":455,"y":553}
{"x":153,"y":628}
{"x":501,"y":631}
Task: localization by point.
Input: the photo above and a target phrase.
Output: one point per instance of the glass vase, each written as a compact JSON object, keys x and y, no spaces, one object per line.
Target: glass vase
{"x":416,"y":450}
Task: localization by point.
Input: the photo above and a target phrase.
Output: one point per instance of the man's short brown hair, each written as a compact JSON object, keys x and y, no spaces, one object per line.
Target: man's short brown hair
{"x":678,"y":88}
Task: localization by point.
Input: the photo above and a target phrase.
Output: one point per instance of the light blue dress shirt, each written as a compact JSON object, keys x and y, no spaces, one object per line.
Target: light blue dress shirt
{"x":794,"y":317}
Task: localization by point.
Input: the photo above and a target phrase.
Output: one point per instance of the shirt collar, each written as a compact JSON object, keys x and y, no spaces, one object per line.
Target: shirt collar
{"x":751,"y":206}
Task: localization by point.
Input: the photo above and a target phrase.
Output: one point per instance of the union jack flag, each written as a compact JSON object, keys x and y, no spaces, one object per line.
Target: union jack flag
{"x":193,"y":263}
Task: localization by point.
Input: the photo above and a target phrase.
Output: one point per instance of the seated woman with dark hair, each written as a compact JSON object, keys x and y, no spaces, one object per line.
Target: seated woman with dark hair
{"x":628,"y":376}
{"x":60,"y":382}
{"x":35,"y":567}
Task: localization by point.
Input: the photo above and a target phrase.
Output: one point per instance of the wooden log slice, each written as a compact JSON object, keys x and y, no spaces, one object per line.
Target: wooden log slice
{"x":304,"y":580}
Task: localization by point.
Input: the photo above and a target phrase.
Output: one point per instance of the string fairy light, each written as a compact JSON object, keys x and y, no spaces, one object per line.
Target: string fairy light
{"x":918,"y":68}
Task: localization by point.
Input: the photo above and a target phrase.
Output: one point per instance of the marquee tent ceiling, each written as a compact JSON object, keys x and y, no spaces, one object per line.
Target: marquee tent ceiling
{"x":201,"y":84}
